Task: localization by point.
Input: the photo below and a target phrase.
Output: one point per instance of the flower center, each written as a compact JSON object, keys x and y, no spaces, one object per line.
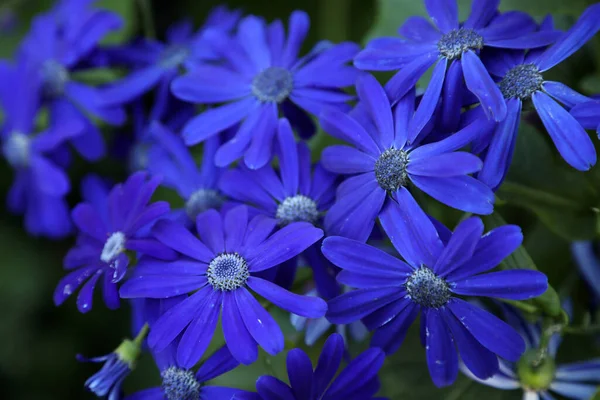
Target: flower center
{"x":202,"y":200}
{"x":115,"y":245}
{"x":297,"y":208}
{"x":454,"y":43}
{"x":180,"y":384}
{"x":427,"y":289}
{"x":227,"y":271}
{"x":521,"y":81}
{"x":390,"y":169}
{"x":274,"y":85}
{"x":54,"y":78}
{"x":17,"y":149}
{"x":173,"y":56}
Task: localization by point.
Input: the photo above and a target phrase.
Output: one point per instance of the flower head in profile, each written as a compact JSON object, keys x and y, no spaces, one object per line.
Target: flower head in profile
{"x":58,"y":44}
{"x":521,"y":78}
{"x":455,"y":47}
{"x":110,"y":224}
{"x":388,"y":156}
{"x":391,"y":292}
{"x":262,"y":76}
{"x":542,"y":378}
{"x":357,"y":381}
{"x":218,"y":268}
{"x":159,"y":62}
{"x":40,"y":182}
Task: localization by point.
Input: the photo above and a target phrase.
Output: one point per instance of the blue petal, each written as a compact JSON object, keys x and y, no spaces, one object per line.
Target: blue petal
{"x":452,"y":98}
{"x":342,"y":126}
{"x":329,"y":362}
{"x":386,"y":313}
{"x":528,"y":41}
{"x":564,"y":94}
{"x":442,"y":359}
{"x":569,"y":137}
{"x":480,"y":83}
{"x":160,"y":286}
{"x":419,"y":29}
{"x":252,"y":36}
{"x":411,"y":231}
{"x":445,"y":165}
{"x":519,"y":284}
{"x":574,"y":390}
{"x":288,"y":157}
{"x":87,"y":220}
{"x":269,"y":387}
{"x":209,"y":84}
{"x":429,"y":101}
{"x":180,"y":239}
{"x":403,"y":114}
{"x":209,"y":225}
{"x":460,"y":247}
{"x":491,"y":332}
{"x":342,"y":159}
{"x":220,"y":362}
{"x":499,"y":153}
{"x":238,"y":339}
{"x":391,"y":335}
{"x":259,"y":153}
{"x":583,"y":30}
{"x":444,"y":13}
{"x":48,"y":177}
{"x":357,"y":304}
{"x":356,"y":375}
{"x":584,"y":371}
{"x":588,"y":114}
{"x":235,"y":224}
{"x":482,"y":12}
{"x":259,"y":228}
{"x":461,"y":192}
{"x":508,"y":25}
{"x":407,"y":78}
{"x":300,"y":372}
{"x":298,"y":28}
{"x":372,"y":95}
{"x":134,"y":85}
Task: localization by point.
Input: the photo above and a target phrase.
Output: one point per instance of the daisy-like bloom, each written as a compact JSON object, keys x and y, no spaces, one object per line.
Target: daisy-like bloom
{"x":40,"y":183}
{"x":161,"y":62}
{"x":117,"y":365}
{"x":217,"y":268}
{"x":520,"y":79}
{"x":170,"y":158}
{"x":357,"y":381}
{"x":542,"y":381}
{"x":455,"y":47}
{"x":391,"y":292}
{"x":387,"y":157}
{"x":586,"y":258}
{"x":298,"y":192}
{"x":110,"y":224}
{"x":588,"y":115}
{"x":56,"y":47}
{"x":263,"y":75}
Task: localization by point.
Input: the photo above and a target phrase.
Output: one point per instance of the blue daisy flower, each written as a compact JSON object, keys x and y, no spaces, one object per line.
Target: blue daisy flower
{"x":388,"y":156}
{"x":262,"y":76}
{"x":110,"y":224}
{"x":357,"y":381}
{"x":180,"y":383}
{"x":455,"y":47}
{"x":577,"y":381}
{"x":57,"y":44}
{"x":521,"y":78}
{"x":298,"y":192}
{"x":391,"y":292}
{"x":40,"y":182}
{"x":161,"y":62}
{"x":218,"y":267}
{"x":588,"y":115}
{"x":587,"y":260}
{"x":171,"y":159}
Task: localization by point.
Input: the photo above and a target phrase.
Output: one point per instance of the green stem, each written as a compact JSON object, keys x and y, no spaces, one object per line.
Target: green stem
{"x":582,"y":330}
{"x":550,"y":328}
{"x":525,"y":307}
{"x":147,"y":18}
{"x":141,"y":335}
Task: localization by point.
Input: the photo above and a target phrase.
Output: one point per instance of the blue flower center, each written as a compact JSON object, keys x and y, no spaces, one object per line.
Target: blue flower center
{"x":17,"y":150}
{"x":180,"y":384}
{"x":227,"y":271}
{"x":454,"y":43}
{"x":54,"y":78}
{"x":390,"y":169}
{"x":202,"y":200}
{"x":173,"y":56}
{"x":273,"y":85}
{"x":297,"y":208}
{"x":427,"y":289}
{"x":114,"y":245}
{"x":521,"y":81}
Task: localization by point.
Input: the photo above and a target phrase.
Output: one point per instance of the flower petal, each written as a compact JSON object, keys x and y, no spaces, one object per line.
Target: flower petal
{"x":480,"y":83}
{"x":518,"y":284}
{"x":442,"y":359}
{"x":237,"y":337}
{"x":357,"y":304}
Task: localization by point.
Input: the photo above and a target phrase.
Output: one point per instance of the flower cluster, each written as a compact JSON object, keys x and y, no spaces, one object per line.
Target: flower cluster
{"x":267,"y":220}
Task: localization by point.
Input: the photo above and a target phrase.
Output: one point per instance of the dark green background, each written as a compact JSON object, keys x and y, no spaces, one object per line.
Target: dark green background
{"x":553,"y":203}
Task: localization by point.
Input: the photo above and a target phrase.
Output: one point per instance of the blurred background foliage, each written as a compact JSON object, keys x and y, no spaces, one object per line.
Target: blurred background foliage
{"x":552,"y":203}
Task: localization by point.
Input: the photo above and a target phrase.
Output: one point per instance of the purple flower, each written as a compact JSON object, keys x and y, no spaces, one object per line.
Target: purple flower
{"x":521,"y":78}
{"x":455,"y":47}
{"x":161,"y":62}
{"x":218,"y":267}
{"x":391,"y":292}
{"x":57,"y":45}
{"x":263,"y":75}
{"x":577,"y":380}
{"x":387,"y":156}
{"x":110,"y":224}
{"x":358,"y":381}
{"x":40,"y":183}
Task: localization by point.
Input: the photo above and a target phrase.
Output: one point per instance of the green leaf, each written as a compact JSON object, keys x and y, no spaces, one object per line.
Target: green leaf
{"x":542,"y":8}
{"x":549,"y":302}
{"x":540,"y":181}
{"x":127,"y":10}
